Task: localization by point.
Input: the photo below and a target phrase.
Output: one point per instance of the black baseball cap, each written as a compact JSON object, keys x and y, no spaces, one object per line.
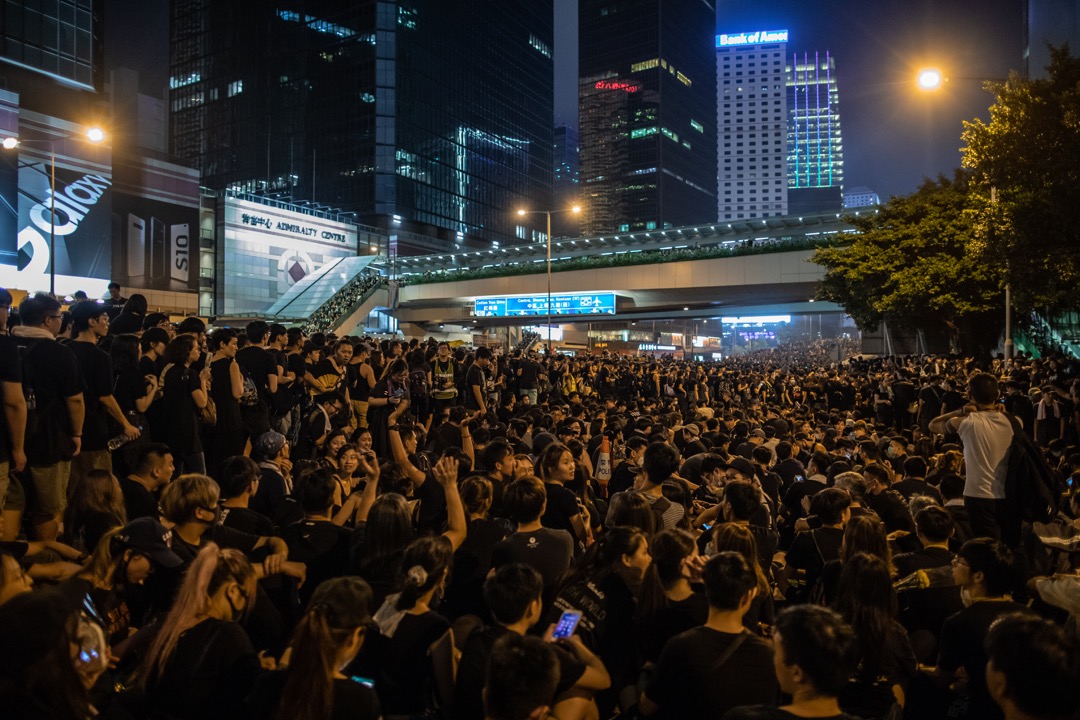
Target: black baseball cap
{"x":149,"y":537}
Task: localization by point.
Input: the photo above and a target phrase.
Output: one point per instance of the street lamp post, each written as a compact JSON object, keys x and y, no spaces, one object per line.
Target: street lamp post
{"x":575,"y":209}
{"x":931,"y":79}
{"x":94,"y":135}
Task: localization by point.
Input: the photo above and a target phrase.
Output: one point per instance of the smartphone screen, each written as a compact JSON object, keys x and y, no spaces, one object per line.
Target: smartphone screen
{"x":366,"y":682}
{"x":567,"y":624}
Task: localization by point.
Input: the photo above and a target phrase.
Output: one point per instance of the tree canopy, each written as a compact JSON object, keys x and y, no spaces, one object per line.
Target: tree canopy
{"x":911,"y":261}
{"x":1028,"y":156}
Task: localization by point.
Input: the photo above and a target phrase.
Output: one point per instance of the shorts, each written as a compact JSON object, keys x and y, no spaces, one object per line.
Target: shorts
{"x":12,"y":496}
{"x":360,"y":408}
{"x":48,"y":486}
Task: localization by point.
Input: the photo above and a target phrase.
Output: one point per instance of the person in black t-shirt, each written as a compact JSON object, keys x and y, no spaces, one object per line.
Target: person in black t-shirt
{"x":13,"y":419}
{"x":238,"y":478}
{"x":512,"y":596}
{"x":477,"y":381}
{"x":51,"y":371}
{"x":544,"y":549}
{"x":814,"y":655}
{"x":153,"y":470}
{"x":706,"y":671}
{"x":260,"y":369}
{"x":326,"y":640}
{"x":317,"y":541}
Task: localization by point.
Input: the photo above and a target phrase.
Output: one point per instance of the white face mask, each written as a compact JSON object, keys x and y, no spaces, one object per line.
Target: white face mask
{"x":965,"y":597}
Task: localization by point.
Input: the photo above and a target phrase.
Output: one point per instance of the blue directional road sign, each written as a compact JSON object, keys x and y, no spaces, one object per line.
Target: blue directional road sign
{"x":602,"y":303}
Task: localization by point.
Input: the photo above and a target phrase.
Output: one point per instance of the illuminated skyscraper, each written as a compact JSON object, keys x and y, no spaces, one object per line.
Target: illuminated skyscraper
{"x":417,"y":115}
{"x":647,"y":114}
{"x":815,"y":149}
{"x":752,"y":116}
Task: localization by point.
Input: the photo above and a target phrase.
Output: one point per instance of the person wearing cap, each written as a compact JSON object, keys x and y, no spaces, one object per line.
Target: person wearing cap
{"x":271,"y":451}
{"x":687,"y":440}
{"x":122,"y":561}
{"x":90,"y":324}
{"x":58,"y":431}
{"x":753,"y":440}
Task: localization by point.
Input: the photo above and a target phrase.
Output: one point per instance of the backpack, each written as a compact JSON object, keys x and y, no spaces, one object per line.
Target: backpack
{"x":418,"y":384}
{"x":250,"y":398}
{"x":659,"y":507}
{"x":1030,"y":485}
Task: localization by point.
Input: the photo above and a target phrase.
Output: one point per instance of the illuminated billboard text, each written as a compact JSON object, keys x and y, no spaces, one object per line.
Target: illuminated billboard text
{"x":536,"y":305}
{"x":761,"y":37}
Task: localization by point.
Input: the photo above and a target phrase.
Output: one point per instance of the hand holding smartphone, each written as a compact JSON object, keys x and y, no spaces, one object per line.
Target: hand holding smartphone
{"x":567,"y":625}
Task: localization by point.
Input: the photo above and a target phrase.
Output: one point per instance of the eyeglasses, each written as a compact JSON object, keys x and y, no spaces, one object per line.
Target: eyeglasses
{"x":56,"y":317}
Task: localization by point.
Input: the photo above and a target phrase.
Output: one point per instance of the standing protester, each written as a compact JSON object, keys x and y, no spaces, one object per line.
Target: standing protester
{"x":55,"y":423}
{"x":986,"y":434}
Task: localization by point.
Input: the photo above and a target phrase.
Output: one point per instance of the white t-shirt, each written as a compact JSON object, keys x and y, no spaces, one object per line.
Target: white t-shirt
{"x":986,"y":437}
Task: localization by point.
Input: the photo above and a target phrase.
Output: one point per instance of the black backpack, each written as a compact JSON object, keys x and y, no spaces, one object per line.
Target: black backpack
{"x":1030,"y":485}
{"x":418,"y":384}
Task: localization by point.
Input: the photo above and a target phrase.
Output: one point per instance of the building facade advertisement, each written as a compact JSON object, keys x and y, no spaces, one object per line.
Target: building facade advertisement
{"x":268,"y":249}
{"x":79,"y":232}
{"x":155,"y":244}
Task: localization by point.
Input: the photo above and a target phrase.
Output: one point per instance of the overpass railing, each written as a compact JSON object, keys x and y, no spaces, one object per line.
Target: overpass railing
{"x":620,"y":258}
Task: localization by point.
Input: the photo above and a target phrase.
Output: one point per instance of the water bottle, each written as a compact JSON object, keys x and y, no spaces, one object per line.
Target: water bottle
{"x":120,"y":440}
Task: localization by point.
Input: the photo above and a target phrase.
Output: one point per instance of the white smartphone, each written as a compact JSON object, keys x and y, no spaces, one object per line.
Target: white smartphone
{"x":180,"y":242}
{"x":136,"y":246}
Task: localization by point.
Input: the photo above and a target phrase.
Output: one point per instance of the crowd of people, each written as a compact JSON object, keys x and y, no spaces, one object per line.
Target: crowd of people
{"x":330,"y":312}
{"x":265,"y":524}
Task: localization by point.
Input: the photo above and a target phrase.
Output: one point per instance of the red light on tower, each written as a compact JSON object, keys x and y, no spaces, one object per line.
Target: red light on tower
{"x":615,"y":85}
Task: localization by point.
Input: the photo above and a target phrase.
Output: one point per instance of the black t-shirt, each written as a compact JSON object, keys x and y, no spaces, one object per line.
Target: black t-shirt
{"x":322,"y":546}
{"x":97,"y":381}
{"x":468,"y":700}
{"x":138,"y":501}
{"x":962,"y":638}
{"x":180,"y":418}
{"x":811,"y":550}
{"x":247,"y":521}
{"x":676,"y":617}
{"x":891,"y":508}
{"x":11,"y":372}
{"x":52,"y":371}
{"x":258,"y":365}
{"x":530,"y":374}
{"x":548,"y":551}
{"x":129,"y":387}
{"x":561,"y":506}
{"x":687,"y":683}
{"x":210,"y":673}
{"x":352,"y":699}
{"x":476,"y":377}
{"x":400,"y":664}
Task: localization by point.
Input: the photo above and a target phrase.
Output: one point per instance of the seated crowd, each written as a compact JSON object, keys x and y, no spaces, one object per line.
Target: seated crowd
{"x":262,"y":524}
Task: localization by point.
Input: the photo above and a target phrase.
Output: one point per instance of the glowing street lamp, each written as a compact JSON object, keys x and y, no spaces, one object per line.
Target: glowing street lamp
{"x":522,"y":213}
{"x":94,"y":135}
{"x":930,"y":79}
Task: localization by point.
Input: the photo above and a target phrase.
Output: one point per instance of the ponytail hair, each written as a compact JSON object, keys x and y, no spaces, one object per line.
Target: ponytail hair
{"x":212,"y":568}
{"x":424,"y":565}
{"x":337,"y":609}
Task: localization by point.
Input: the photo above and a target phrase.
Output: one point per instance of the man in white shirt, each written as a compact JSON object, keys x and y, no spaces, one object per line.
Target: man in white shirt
{"x":985,"y":430}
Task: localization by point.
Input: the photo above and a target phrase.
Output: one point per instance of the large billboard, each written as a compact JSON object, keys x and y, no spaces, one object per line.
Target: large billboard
{"x":600,"y":303}
{"x":267,"y":249}
{"x":157,"y":244}
{"x":79,"y":234}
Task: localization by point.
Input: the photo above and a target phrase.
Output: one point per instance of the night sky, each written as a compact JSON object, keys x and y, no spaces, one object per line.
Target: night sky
{"x":893,"y":135}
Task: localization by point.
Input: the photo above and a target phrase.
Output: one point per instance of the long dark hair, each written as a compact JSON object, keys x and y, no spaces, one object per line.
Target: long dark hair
{"x":668,"y":549}
{"x":866,"y":600}
{"x":337,"y":609}
{"x":423,"y":566}
{"x":601,"y":559}
{"x":124,"y":352}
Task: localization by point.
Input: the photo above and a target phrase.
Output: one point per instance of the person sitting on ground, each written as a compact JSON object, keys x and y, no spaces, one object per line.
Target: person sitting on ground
{"x":815,"y":653}
{"x":706,"y":671}
{"x":513,"y":597}
{"x":1033,"y":671}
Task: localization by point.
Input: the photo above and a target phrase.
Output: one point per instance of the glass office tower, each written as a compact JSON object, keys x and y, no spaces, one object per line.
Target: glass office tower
{"x":647,"y":114}
{"x":418,"y":115}
{"x":815,"y":148}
